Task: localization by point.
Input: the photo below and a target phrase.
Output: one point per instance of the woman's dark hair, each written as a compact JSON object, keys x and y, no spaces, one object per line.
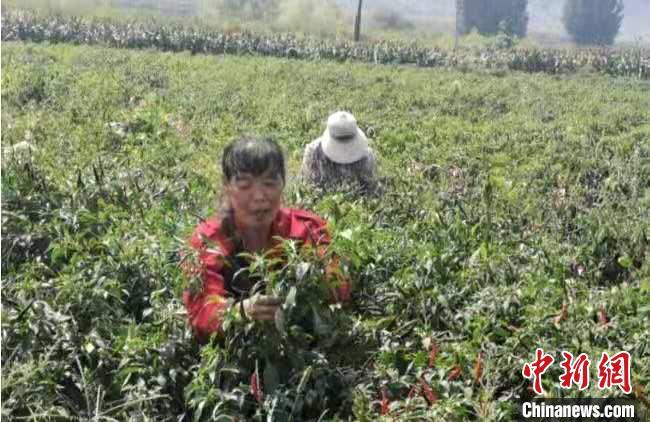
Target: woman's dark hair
{"x":254,"y":156}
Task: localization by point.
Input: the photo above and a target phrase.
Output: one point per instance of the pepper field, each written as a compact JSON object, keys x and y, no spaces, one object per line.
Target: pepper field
{"x":515,"y":215}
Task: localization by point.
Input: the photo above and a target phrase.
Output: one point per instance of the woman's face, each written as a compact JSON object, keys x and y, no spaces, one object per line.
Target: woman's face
{"x":255,"y":200}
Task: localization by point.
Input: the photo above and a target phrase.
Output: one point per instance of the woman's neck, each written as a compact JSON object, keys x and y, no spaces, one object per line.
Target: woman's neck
{"x":256,"y":239}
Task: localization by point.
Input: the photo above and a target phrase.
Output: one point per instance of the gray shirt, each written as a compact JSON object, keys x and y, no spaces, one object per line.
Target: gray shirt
{"x":319,"y":170}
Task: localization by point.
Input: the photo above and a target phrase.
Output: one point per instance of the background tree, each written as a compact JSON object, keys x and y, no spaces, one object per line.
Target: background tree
{"x":593,"y":21}
{"x":491,"y":16}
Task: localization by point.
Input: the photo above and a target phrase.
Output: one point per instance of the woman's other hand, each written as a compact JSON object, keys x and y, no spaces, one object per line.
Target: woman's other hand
{"x":261,"y":307}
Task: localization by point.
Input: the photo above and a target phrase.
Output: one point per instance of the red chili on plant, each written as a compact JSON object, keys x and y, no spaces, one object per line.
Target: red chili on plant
{"x":455,"y":373}
{"x":433,"y":354}
{"x":384,"y":401}
{"x":256,"y":388}
{"x":428,"y":392}
{"x":603,"y":320}
{"x":478,"y":367}
{"x":562,"y":315}
{"x":640,"y":394}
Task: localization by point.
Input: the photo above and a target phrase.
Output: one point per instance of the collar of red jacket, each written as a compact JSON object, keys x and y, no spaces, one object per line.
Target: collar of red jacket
{"x":289,"y":223}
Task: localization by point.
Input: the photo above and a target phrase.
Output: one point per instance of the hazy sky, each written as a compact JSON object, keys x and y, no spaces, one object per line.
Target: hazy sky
{"x":544,"y":14}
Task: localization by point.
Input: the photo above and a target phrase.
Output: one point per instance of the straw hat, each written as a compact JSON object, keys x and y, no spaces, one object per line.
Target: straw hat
{"x":343,"y":142}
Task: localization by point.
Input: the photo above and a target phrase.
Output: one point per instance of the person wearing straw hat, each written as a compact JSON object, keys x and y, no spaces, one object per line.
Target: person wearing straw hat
{"x":341,"y":157}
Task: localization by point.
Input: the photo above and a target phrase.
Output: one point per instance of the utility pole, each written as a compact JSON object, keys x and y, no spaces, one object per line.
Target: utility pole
{"x":460,"y":13}
{"x":357,"y":23}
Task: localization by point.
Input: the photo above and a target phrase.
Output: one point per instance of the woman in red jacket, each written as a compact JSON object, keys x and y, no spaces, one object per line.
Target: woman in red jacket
{"x":252,"y":221}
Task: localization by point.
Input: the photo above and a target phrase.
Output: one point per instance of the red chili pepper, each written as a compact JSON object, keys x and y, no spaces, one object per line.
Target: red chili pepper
{"x":562,"y":315}
{"x":433,"y":354}
{"x":384,"y":401}
{"x":256,"y":388}
{"x":603,"y":320}
{"x":640,"y":394}
{"x":428,"y":392}
{"x":455,"y":373}
{"x":478,"y":367}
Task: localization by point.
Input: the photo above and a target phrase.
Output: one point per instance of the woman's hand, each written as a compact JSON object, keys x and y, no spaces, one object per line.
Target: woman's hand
{"x":261,"y":307}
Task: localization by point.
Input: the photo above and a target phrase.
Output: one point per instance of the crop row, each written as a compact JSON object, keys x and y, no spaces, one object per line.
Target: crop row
{"x":29,"y":26}
{"x":514,"y":215}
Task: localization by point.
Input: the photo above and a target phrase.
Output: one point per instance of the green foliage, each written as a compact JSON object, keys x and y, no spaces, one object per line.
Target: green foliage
{"x":505,"y":196}
{"x":493,"y":16}
{"x":487,"y":54}
{"x":301,"y":359}
{"x":593,"y":21}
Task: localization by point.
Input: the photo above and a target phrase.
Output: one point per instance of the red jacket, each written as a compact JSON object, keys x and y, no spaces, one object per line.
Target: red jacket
{"x":206,"y":308}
